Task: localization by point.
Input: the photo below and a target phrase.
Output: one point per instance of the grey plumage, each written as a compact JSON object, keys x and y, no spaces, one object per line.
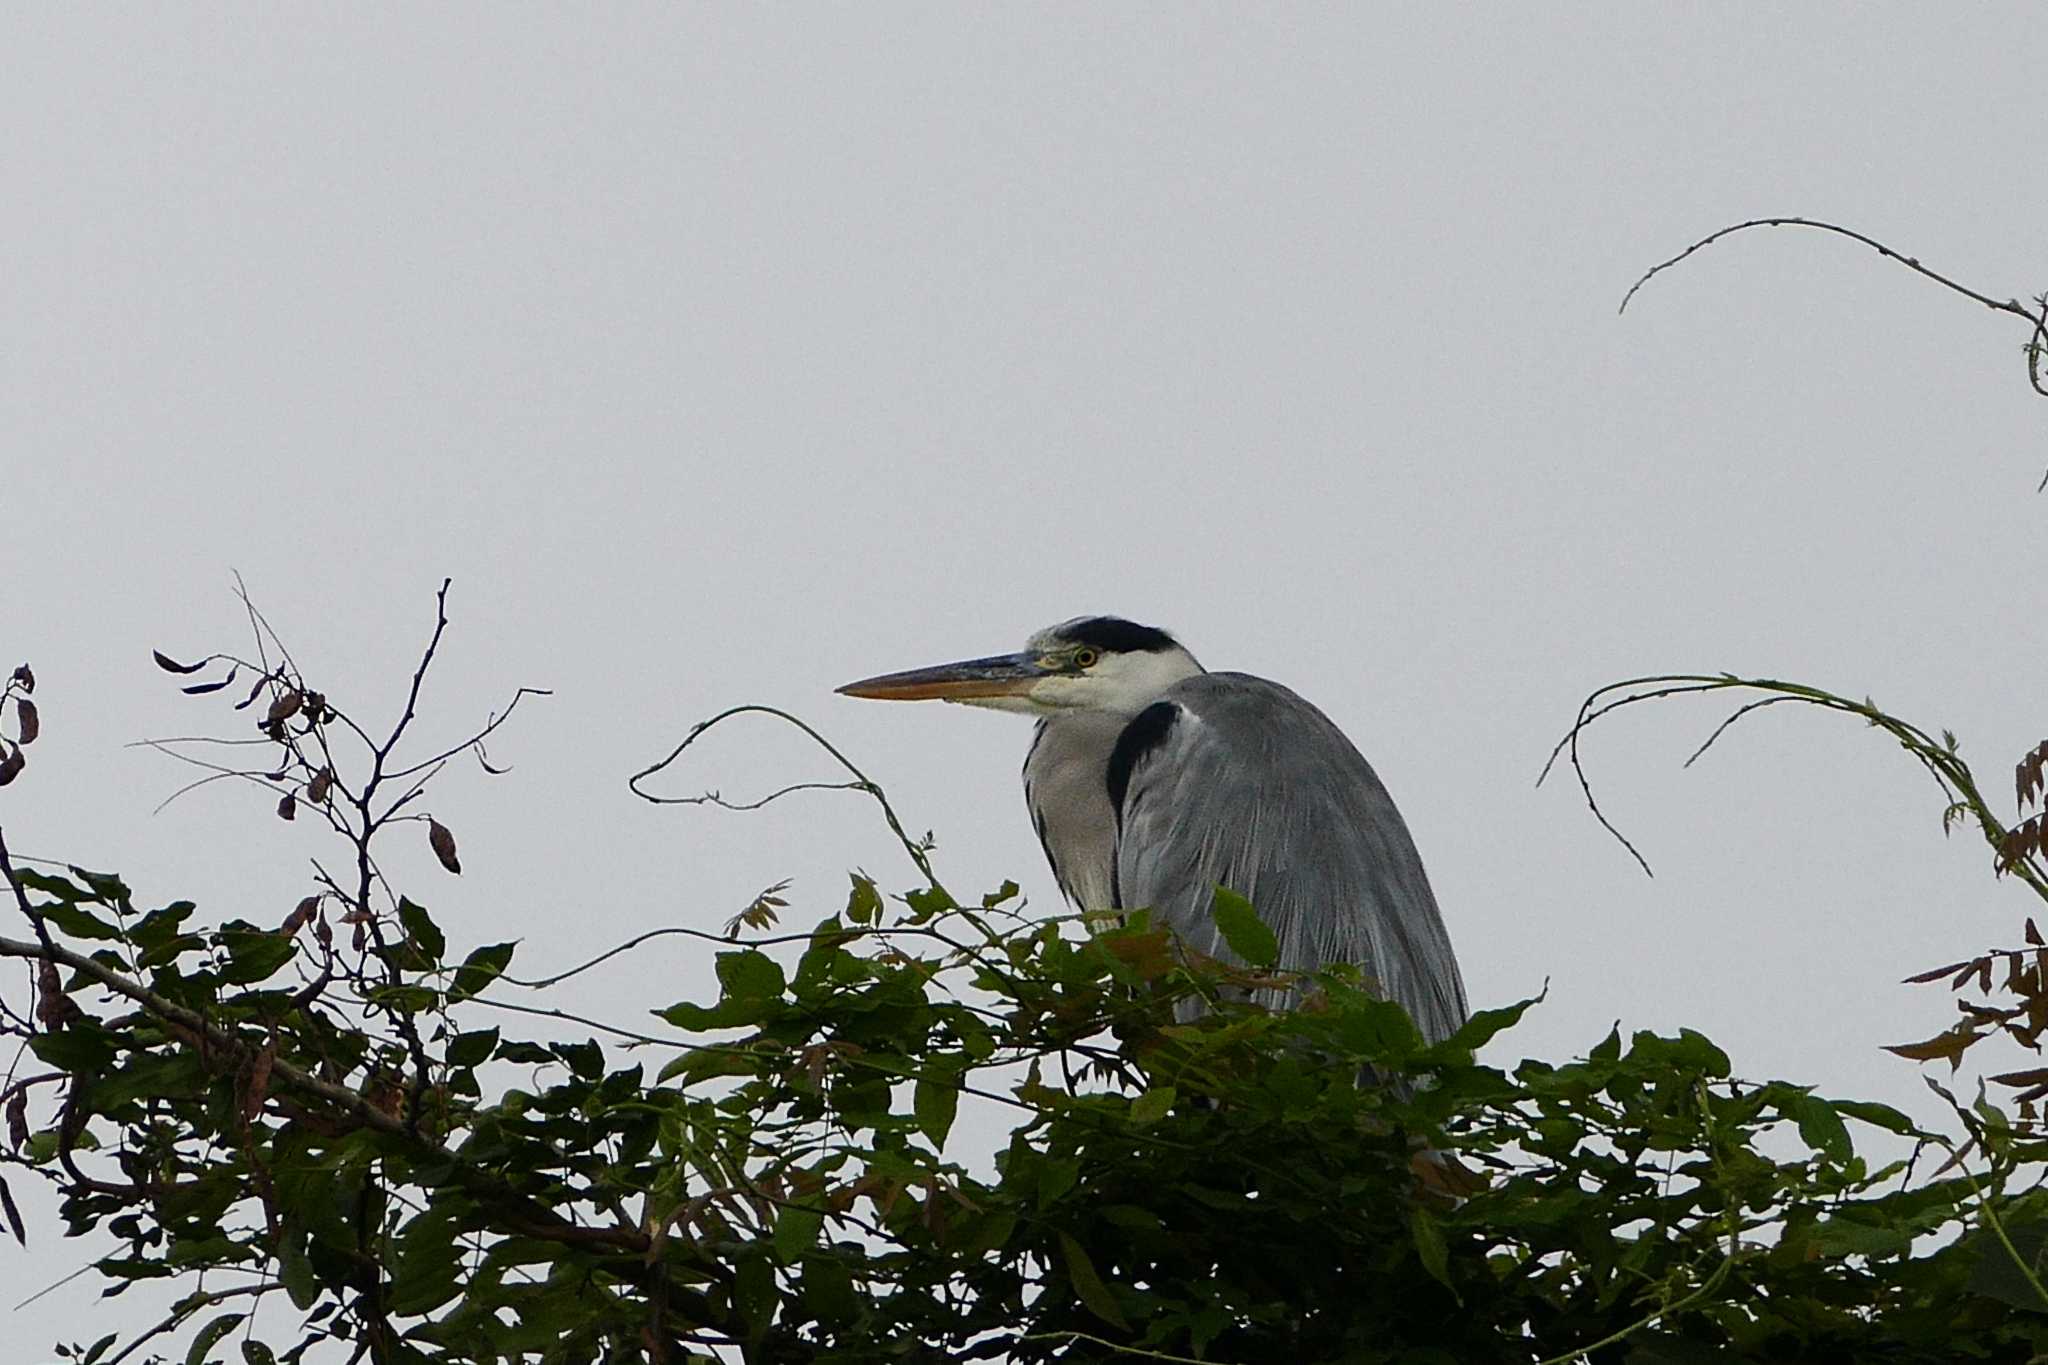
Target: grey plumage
{"x":1151,"y":781}
{"x":1255,"y":789}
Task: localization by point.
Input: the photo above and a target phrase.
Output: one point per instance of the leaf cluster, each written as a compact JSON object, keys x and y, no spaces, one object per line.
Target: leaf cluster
{"x":793,"y":1181}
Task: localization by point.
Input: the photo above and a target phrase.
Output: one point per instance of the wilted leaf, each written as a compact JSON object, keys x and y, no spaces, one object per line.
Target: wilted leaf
{"x":13,"y":1214}
{"x":2021,"y":1079}
{"x":322,"y":783}
{"x":259,"y":1079}
{"x":170,"y":665}
{"x":196,"y":689}
{"x":287,"y":806}
{"x":25,"y":716}
{"x":284,"y":707}
{"x":25,"y":676}
{"x":1948,"y":1046}
{"x":301,"y":915}
{"x":1936,"y":973}
{"x":443,"y":844}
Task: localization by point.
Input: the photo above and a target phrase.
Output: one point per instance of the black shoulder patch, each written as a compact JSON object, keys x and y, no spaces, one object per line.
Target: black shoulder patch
{"x":1144,"y":734}
{"x":1118,"y":636}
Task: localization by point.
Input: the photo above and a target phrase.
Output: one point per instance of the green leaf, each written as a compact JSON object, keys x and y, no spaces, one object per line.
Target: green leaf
{"x":294,"y":1271}
{"x":256,"y":1353}
{"x":828,"y":1290}
{"x":1430,"y":1248}
{"x":77,"y":922}
{"x":51,"y":886}
{"x":106,"y":886}
{"x":864,"y":903}
{"x":750,"y":975}
{"x":99,"y":1348}
{"x":210,"y":1335}
{"x":1153,"y":1105}
{"x":472,"y":1049}
{"x":753,"y":1294}
{"x":1055,"y":1178}
{"x":1479,"y":1029}
{"x":1247,"y":934}
{"x":159,"y":927}
{"x":480,"y":969}
{"x":80,"y":1049}
{"x":1088,"y":1286}
{"x":1820,"y":1127}
{"x":421,"y":929}
{"x":254,"y":954}
{"x":934,"y":1101}
{"x":1878,"y":1115}
{"x":1998,"y":1276}
{"x":796,"y":1231}
{"x":429,"y":1268}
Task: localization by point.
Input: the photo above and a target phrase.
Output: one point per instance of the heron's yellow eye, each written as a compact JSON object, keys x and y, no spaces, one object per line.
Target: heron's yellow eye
{"x":1085,"y":658}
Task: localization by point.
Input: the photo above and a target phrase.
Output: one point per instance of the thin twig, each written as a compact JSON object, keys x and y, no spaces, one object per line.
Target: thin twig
{"x":862,"y":782}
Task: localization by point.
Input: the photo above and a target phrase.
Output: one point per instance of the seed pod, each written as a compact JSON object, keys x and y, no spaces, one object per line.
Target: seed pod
{"x":284,"y":708}
{"x":25,"y":715}
{"x":287,"y":807}
{"x":322,"y":783}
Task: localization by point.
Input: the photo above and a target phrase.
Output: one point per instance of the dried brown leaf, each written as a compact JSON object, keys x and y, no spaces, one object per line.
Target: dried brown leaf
{"x":284,"y":707}
{"x":13,"y":1214}
{"x":170,"y":665}
{"x":322,"y":783}
{"x":1934,"y":974}
{"x":301,"y":915}
{"x":1949,"y":1045}
{"x":287,"y":806}
{"x":201,"y":689}
{"x":259,"y":1079}
{"x":17,"y":1119}
{"x":26,"y":677}
{"x":443,"y":844}
{"x":2034,"y":1076}
{"x":30,"y":723}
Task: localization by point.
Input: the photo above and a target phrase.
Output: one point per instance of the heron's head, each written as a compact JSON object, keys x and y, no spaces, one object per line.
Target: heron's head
{"x":1091,"y":663}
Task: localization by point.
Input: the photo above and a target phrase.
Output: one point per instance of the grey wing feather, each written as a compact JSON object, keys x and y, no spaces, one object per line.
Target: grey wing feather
{"x":1257,"y":790}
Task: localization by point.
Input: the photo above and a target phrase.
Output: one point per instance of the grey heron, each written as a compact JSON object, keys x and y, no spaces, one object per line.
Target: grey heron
{"x":1152,"y":780}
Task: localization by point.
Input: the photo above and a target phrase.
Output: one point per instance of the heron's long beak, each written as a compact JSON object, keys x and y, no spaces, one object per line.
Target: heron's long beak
{"x":1005,"y":675}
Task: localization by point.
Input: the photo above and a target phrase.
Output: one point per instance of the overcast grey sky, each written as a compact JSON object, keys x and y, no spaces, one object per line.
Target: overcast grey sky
{"x":726,"y":355}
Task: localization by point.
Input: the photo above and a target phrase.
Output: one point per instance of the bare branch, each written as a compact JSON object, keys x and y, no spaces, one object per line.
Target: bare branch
{"x":861,"y":783}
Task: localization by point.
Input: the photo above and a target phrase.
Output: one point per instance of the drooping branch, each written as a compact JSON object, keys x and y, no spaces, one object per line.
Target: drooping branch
{"x":2035,"y":317}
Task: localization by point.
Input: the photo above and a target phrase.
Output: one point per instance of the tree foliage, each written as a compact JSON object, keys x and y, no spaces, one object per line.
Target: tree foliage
{"x":323,"y":1137}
